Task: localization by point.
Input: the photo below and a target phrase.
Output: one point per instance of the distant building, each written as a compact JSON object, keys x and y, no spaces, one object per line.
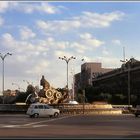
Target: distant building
{"x":124,"y":80}
{"x":89,"y":71}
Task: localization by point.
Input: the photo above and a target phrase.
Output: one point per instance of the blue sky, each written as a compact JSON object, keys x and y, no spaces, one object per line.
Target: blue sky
{"x":39,"y":32}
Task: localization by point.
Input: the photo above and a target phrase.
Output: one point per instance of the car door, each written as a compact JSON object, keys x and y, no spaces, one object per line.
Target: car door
{"x":47,"y":110}
{"x":41,"y":110}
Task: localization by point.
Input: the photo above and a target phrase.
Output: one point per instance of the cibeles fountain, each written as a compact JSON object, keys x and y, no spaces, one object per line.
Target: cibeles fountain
{"x":50,"y":95}
{"x":47,"y":94}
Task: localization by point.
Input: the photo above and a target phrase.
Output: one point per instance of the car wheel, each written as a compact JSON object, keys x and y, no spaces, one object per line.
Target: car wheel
{"x":36,"y":115}
{"x":56,"y":114}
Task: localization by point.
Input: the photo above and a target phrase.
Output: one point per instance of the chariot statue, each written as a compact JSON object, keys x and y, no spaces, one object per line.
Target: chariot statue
{"x":47,"y":94}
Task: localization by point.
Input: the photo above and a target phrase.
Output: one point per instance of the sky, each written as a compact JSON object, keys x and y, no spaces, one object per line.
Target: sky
{"x":37,"y":33}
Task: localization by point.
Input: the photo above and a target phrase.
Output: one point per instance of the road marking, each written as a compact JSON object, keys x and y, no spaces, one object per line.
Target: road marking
{"x":39,"y":126}
{"x":48,"y":120}
{"x":33,"y":124}
{"x":22,"y":126}
{"x":10,"y":126}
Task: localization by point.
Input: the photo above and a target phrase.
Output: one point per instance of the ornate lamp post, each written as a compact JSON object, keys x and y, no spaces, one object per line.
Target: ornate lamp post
{"x":3,"y":58}
{"x":67,"y":60}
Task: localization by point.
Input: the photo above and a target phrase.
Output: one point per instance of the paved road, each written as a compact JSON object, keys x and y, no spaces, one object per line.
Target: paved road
{"x":70,"y":126}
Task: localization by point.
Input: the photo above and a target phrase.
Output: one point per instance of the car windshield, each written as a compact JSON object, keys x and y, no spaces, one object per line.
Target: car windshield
{"x":50,"y":106}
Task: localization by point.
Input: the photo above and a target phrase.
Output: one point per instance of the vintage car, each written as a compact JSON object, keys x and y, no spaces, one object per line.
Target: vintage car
{"x":42,"y":110}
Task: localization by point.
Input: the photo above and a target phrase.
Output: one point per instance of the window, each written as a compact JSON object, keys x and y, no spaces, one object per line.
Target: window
{"x":36,"y":107}
{"x":46,"y":107}
{"x":40,"y":106}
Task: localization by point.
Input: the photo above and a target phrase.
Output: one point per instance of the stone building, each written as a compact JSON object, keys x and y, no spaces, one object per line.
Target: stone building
{"x":89,"y":71}
{"x":124,"y":81}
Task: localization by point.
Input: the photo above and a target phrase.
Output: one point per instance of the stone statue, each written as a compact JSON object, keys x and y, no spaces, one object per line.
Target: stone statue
{"x":44,"y":83}
{"x":47,"y":94}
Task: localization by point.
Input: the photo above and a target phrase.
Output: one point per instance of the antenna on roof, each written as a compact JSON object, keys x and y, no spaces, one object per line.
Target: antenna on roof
{"x":123,"y":53}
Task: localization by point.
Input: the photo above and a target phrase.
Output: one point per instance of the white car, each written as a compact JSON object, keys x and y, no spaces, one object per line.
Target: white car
{"x":39,"y":109}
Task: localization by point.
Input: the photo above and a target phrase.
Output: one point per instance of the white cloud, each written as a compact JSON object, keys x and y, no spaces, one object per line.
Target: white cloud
{"x":79,"y":48}
{"x":116,"y":42}
{"x":93,"y":43}
{"x":7,"y":40}
{"x":7,"y":5}
{"x":61,"y":25}
{"x":3,"y":6}
{"x":39,"y":68}
{"x":59,"y":53}
{"x":29,"y":8}
{"x":86,"y":36}
{"x":86,"y":20}
{"x":1,"y":21}
{"x":26,"y":33}
{"x":21,"y":58}
{"x":43,"y":7}
{"x":90,"y":42}
{"x":42,"y":24}
{"x":96,"y":20}
{"x":47,"y":8}
{"x":51,"y":43}
{"x":105,"y":51}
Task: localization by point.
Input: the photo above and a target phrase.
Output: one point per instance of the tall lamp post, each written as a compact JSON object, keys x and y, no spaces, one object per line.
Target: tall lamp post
{"x":81,"y":83}
{"x":126,"y":61}
{"x":73,"y":85}
{"x":3,"y":58}
{"x":67,"y":60}
{"x":83,"y":89}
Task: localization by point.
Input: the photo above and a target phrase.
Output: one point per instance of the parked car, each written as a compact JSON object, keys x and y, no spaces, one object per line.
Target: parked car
{"x":42,"y":110}
{"x":137,"y":111}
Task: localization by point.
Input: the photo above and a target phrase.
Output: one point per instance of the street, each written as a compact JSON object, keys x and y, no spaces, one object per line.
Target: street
{"x":70,"y":126}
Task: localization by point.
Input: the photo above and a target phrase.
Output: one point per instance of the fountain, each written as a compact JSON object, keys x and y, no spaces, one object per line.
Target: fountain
{"x":47,"y":94}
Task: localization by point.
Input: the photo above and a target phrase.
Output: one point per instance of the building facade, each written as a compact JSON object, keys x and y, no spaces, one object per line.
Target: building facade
{"x":124,"y":81}
{"x":89,"y":71}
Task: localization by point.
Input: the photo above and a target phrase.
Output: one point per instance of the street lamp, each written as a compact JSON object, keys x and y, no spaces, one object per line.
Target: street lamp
{"x":3,"y":58}
{"x":67,"y":60}
{"x":125,"y":61}
{"x":81,"y":83}
{"x":73,"y":85}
